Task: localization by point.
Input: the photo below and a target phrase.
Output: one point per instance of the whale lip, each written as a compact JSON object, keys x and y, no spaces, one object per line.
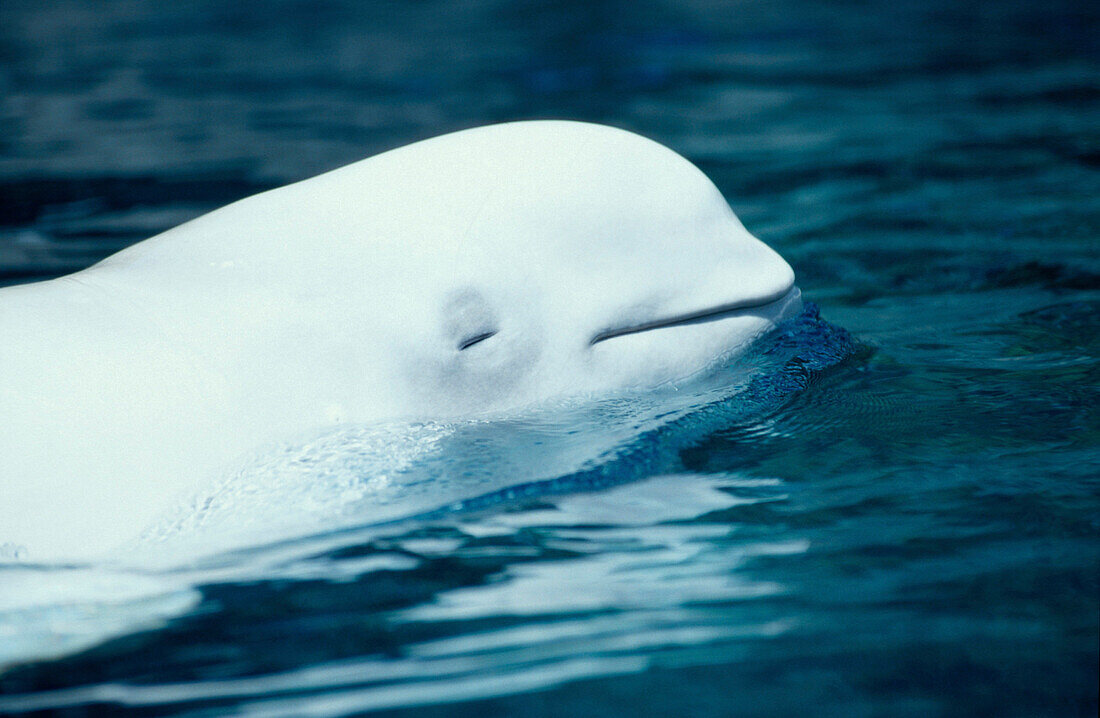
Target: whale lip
{"x":773,"y":306}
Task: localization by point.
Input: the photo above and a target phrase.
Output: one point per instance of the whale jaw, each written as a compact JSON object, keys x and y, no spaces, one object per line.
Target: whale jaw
{"x":767,"y":306}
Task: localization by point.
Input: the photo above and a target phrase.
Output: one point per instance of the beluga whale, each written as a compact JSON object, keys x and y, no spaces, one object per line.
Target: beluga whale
{"x":467,"y":275}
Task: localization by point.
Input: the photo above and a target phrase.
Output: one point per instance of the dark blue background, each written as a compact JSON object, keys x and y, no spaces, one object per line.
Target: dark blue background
{"x":929,"y":168}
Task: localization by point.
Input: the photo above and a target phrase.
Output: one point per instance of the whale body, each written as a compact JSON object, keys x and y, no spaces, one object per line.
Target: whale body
{"x":470,"y":274}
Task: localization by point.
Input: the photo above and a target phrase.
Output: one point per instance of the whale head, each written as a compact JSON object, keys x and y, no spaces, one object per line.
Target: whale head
{"x":481,"y":270}
{"x":475,"y":273}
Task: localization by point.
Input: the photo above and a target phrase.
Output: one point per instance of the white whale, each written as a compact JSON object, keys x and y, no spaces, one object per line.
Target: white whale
{"x":476,"y":272}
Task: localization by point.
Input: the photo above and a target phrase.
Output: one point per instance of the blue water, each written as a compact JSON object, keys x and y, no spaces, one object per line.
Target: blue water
{"x":895,"y":510}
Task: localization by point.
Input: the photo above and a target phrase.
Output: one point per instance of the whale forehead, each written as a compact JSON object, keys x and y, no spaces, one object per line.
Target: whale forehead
{"x":571,"y":186}
{"x":555,"y":175}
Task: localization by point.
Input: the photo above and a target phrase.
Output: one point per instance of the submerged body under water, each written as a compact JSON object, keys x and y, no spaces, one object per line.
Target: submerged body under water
{"x":900,"y":517}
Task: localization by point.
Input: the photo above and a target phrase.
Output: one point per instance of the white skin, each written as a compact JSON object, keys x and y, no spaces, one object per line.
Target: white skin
{"x":346,"y":298}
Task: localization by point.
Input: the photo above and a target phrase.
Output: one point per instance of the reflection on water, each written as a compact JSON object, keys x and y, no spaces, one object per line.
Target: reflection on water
{"x":592,"y":598}
{"x":910,"y":530}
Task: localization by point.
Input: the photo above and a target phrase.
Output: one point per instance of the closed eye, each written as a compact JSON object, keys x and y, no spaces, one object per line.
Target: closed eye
{"x":475,"y":339}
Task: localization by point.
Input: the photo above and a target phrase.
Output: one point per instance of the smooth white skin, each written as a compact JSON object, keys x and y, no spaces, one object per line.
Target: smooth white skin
{"x":344,"y":299}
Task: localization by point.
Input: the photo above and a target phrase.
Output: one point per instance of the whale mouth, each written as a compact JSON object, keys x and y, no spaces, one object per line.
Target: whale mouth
{"x":772,"y":306}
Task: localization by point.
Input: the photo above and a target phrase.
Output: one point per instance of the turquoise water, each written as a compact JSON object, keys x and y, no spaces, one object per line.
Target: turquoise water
{"x":889,"y":510}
